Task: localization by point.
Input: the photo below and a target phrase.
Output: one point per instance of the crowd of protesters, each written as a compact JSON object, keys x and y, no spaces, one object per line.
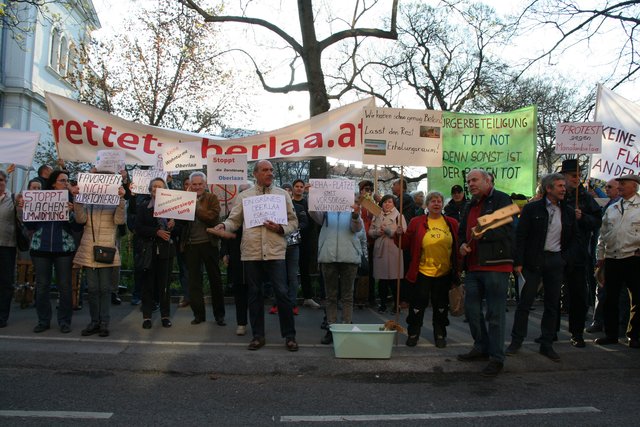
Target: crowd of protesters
{"x":418,"y":241}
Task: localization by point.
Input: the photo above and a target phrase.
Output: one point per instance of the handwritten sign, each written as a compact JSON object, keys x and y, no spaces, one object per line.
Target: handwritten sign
{"x":503,"y":144}
{"x":98,"y":189}
{"x":227,"y":169}
{"x":175,"y":204}
{"x":579,"y":138}
{"x":184,"y":156}
{"x":331,"y":195}
{"x":140,"y":179}
{"x":268,"y":207}
{"x":110,"y":161}
{"x":396,"y":136}
{"x":46,"y":205}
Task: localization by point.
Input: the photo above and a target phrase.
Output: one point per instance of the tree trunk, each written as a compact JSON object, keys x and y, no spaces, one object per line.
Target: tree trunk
{"x":312,"y":58}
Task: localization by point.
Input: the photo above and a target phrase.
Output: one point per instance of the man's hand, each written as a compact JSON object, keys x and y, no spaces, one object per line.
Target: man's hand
{"x":465,"y":249}
{"x":276,"y":228}
{"x":578,"y":214}
{"x":163,"y":234}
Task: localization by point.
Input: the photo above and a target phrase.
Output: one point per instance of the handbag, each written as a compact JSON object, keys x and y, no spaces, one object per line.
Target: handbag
{"x":23,"y":242}
{"x":101,"y":254}
{"x":456,"y":300}
{"x":294,"y":238}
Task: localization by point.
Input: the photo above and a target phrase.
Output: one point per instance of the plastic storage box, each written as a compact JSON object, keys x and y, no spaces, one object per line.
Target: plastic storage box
{"x":361,"y":341}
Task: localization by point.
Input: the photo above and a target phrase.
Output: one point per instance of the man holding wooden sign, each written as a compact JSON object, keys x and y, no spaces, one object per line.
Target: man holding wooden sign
{"x":489,"y":261}
{"x":263,"y":250}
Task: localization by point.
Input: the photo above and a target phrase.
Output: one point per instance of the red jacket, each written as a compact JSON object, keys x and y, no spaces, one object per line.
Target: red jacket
{"x":412,"y":240}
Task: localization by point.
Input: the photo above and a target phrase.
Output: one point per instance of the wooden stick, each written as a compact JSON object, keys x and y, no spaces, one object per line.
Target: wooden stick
{"x":400,"y":260}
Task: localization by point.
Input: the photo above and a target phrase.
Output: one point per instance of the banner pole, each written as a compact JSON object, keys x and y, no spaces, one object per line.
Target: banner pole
{"x":398,"y":279}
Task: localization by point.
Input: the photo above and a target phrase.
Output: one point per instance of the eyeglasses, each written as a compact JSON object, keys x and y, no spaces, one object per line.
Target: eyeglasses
{"x":62,"y":180}
{"x":367,"y":188}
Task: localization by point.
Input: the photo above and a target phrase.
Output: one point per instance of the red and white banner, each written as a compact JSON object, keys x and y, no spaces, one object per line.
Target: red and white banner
{"x":18,"y":146}
{"x":620,"y":136}
{"x":81,"y":130}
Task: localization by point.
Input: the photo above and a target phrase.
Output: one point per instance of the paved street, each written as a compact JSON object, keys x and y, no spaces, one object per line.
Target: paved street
{"x":203,"y":374}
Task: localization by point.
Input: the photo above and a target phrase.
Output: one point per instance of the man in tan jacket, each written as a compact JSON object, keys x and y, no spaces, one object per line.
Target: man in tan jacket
{"x":263,"y":250}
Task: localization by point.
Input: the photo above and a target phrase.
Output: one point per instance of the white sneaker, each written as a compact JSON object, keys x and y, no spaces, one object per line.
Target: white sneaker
{"x":241,"y":330}
{"x":310,"y":303}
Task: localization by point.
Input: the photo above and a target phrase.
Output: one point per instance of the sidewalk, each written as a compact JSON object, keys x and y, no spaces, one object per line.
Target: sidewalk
{"x":211,"y":348}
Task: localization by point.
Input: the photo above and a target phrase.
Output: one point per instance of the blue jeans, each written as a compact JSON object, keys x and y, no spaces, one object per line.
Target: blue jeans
{"x":551,"y":276}
{"x":43,"y":267}
{"x":293,"y":267}
{"x":99,"y":294}
{"x":487,"y":330}
{"x":274,"y":271}
{"x":7,"y":269}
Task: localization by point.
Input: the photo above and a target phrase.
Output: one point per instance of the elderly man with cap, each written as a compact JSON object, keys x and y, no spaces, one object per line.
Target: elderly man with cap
{"x":457,"y":203}
{"x":619,"y":253}
{"x":588,"y":218}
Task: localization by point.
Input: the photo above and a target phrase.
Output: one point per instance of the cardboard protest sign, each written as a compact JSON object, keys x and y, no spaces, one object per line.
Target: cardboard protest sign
{"x":110,"y":161}
{"x":98,"y":189}
{"x":45,"y":205}
{"x":140,"y":179}
{"x":403,"y":137}
{"x":331,"y":195}
{"x":183,"y":156}
{"x":502,"y":144}
{"x":579,"y":138}
{"x":267,"y":207}
{"x":227,"y":169}
{"x":175,"y":204}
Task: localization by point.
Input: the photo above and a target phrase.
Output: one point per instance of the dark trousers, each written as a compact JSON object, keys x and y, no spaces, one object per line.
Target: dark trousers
{"x":577,"y":288}
{"x":7,"y":277}
{"x":235,"y":276}
{"x":256,"y":274}
{"x":156,"y":282}
{"x":43,"y":266}
{"x":436,"y":290}
{"x":304,"y":262}
{"x":386,"y":286}
{"x":619,"y":273}
{"x":195,"y":256}
{"x":551,"y":276}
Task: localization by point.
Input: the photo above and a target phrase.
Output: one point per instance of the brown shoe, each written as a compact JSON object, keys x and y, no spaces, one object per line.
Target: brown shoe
{"x":256,"y":344}
{"x":292,"y":345}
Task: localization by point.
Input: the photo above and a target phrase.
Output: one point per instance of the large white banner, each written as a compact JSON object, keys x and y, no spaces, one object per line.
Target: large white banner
{"x":620,"y":136}
{"x":18,"y":146}
{"x":81,"y":130}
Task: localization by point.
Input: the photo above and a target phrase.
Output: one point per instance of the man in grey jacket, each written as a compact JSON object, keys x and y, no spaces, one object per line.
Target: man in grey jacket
{"x":263,"y":251}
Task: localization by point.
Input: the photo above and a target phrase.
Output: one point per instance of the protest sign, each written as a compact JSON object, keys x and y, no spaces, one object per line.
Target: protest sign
{"x":183,"y":156}
{"x":110,"y":161}
{"x":579,"y":138}
{"x":140,"y":179}
{"x":267,"y":207}
{"x":175,"y":204}
{"x":620,"y":119}
{"x":227,"y":169}
{"x":45,"y":205}
{"x":98,"y":189}
{"x":502,"y":144}
{"x":403,"y":137}
{"x":331,"y":195}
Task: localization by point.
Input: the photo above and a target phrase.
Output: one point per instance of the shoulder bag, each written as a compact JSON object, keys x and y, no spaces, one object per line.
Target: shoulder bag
{"x":101,"y":254}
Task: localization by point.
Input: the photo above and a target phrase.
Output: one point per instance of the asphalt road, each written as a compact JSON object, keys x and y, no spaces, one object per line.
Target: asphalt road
{"x":203,"y":375}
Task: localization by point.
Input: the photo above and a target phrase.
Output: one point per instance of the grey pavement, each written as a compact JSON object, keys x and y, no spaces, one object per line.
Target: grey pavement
{"x":190,"y":349}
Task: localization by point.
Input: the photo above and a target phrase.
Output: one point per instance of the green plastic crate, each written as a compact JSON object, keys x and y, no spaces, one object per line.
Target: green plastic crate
{"x":362,"y":341}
